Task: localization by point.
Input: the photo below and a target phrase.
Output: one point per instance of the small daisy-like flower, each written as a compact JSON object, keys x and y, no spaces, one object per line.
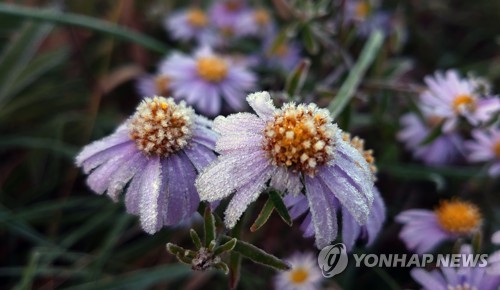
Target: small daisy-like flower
{"x":360,"y":10}
{"x":227,"y":16}
{"x":450,"y":97}
{"x":290,"y":146}
{"x":461,"y":278}
{"x":423,"y":230}
{"x":206,"y":79}
{"x":494,"y":259}
{"x":256,"y":22}
{"x":445,"y":149}
{"x":284,"y":56}
{"x":351,"y":229}
{"x":157,"y":152}
{"x":303,"y":275}
{"x":190,"y":24}
{"x":486,"y":147}
{"x":154,"y":85}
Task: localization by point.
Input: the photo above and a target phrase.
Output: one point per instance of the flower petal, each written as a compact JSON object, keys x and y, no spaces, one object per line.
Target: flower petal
{"x":150,"y":207}
{"x":262,"y":104}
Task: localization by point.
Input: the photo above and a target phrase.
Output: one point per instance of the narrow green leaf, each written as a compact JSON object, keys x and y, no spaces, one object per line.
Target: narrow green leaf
{"x":184,"y":259}
{"x":209,"y":226}
{"x":196,"y":239}
{"x":175,"y":250}
{"x":86,"y":22}
{"x":263,"y":216}
{"x":29,"y":272}
{"x":211,"y":246}
{"x":296,"y":79}
{"x":229,"y":246}
{"x":257,"y":255}
{"x":222,"y":266}
{"x":356,"y":74}
{"x":28,"y":142}
{"x":234,"y":269}
{"x":280,"y":206}
{"x":309,"y":40}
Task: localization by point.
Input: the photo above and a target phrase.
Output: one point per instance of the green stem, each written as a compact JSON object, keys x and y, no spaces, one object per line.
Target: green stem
{"x":83,"y":21}
{"x":350,"y":85}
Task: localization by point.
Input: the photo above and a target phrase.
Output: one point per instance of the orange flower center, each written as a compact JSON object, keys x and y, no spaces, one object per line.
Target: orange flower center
{"x":459,"y":217}
{"x":280,"y":50}
{"x":160,"y":126}
{"x":197,"y":18}
{"x":462,"y":102}
{"x":300,"y":138}
{"x":298,"y":276}
{"x":162,"y":83}
{"x":496,"y":149}
{"x":261,"y":17}
{"x":213,"y":69}
{"x":362,"y":9}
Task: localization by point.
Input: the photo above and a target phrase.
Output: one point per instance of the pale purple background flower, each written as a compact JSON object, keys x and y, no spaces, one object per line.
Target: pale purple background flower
{"x":305,"y":263}
{"x":494,"y":259}
{"x":206,"y":95}
{"x":252,"y":23}
{"x":445,"y":149}
{"x":161,"y":189}
{"x":244,"y":166}
{"x":351,"y":229}
{"x":180,"y":27}
{"x":227,"y":14}
{"x":463,"y":277}
{"x":450,"y":96}
{"x":285,"y":56}
{"x":486,"y":148}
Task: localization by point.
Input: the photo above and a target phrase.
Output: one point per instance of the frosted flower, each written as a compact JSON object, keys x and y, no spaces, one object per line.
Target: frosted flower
{"x":486,"y":147}
{"x":460,"y":278}
{"x":443,"y":150}
{"x":494,"y":259}
{"x":157,"y":152}
{"x":287,"y":146}
{"x":423,"y":230}
{"x":154,"y":85}
{"x":206,"y":79}
{"x":303,"y":275}
{"x":351,"y":229}
{"x":190,"y":24}
{"x":449,"y":96}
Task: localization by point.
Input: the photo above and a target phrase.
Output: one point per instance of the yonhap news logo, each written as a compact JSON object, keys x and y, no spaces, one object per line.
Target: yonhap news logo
{"x":333,"y":260}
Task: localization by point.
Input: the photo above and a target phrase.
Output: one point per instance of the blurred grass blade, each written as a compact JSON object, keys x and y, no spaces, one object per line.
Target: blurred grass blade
{"x":29,"y":272}
{"x":296,"y":79}
{"x":38,"y":143}
{"x":86,"y":22}
{"x":309,"y":40}
{"x":257,"y":255}
{"x":348,"y":88}
{"x":18,"y":54}
{"x":263,"y":216}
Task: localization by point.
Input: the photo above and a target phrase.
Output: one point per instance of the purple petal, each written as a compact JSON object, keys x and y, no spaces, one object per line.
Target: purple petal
{"x":125,"y":173}
{"x":150,"y":205}
{"x":199,"y":155}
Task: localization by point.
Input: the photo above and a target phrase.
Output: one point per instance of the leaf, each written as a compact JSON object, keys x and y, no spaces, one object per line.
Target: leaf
{"x":309,"y":40}
{"x":356,"y":74}
{"x":209,"y":226}
{"x":86,"y":22}
{"x":229,"y":246}
{"x":296,"y":79}
{"x":234,"y":270}
{"x":280,"y":206}
{"x":196,"y":239}
{"x":263,"y":216}
{"x":28,"y":142}
{"x":257,"y":255}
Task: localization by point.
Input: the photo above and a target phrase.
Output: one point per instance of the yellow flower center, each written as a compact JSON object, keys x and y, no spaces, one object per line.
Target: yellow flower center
{"x":162,"y":83}
{"x":160,"y":126}
{"x":261,"y":17}
{"x":359,"y":144}
{"x":496,"y":149}
{"x":197,"y":18}
{"x":298,"y":276}
{"x":466,"y":102}
{"x":458,"y":217}
{"x":280,"y":50}
{"x":362,"y":9}
{"x":300,"y":138}
{"x":213,"y":69}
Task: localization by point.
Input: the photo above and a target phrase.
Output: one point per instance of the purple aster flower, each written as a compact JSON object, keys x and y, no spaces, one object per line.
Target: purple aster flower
{"x":486,"y":147}
{"x":256,"y":22}
{"x":154,"y":85}
{"x":226,"y":15}
{"x":423,"y":230}
{"x":206,"y":79}
{"x":450,"y":97}
{"x":460,"y":278}
{"x":190,"y":24}
{"x":494,"y":259}
{"x":284,"y":56}
{"x":351,"y":229}
{"x":294,"y":147}
{"x":157,"y":152}
{"x":303,"y":275}
{"x":445,"y":149}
